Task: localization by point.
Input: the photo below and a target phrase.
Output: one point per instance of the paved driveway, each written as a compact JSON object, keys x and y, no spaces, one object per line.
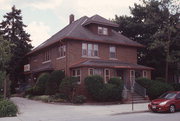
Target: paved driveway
{"x":38,"y":111}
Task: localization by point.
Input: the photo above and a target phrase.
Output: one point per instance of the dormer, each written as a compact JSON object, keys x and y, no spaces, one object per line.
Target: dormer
{"x":99,"y":25}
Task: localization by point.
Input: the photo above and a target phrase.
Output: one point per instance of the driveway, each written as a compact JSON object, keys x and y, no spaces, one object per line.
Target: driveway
{"x":30,"y":110}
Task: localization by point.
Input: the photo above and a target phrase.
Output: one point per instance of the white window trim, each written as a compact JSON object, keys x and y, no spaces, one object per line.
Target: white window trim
{"x":77,"y":75}
{"x":103,"y":30}
{"x":64,"y":50}
{"x":115,"y":58}
{"x":46,"y":61}
{"x":87,"y":56}
{"x":60,"y":57}
{"x":89,"y":71}
{"x":143,"y":74}
{"x":105,"y":75}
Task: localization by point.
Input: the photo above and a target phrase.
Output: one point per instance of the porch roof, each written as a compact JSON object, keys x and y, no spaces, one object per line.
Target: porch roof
{"x":110,"y":64}
{"x":43,"y":67}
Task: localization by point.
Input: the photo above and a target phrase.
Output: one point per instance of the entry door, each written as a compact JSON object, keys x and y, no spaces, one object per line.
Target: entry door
{"x":132,"y":77}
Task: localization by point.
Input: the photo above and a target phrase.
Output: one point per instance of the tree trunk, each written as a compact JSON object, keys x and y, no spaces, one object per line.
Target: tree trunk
{"x":167,"y":70}
{"x":5,"y":88}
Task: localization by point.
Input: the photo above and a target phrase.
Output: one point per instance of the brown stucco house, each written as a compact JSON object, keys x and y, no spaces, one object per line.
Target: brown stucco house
{"x":88,"y":46}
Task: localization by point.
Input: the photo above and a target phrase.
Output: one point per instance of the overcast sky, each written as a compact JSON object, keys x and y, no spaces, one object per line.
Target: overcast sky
{"x":46,"y":17}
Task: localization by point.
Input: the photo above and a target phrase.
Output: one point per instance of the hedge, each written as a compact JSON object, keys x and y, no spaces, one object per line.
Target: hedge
{"x":52,"y":85}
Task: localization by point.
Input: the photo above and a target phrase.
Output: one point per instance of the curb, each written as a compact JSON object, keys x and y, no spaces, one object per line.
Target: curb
{"x":132,"y":112}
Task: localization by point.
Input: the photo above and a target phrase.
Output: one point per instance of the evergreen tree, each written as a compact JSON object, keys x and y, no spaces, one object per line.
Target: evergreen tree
{"x":149,"y":24}
{"x":12,"y":29}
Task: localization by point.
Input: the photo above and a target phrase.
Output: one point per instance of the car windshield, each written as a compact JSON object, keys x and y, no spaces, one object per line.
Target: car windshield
{"x":168,"y":96}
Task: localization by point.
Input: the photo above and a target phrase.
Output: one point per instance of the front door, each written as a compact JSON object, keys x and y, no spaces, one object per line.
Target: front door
{"x":132,"y":78}
{"x":120,"y":74}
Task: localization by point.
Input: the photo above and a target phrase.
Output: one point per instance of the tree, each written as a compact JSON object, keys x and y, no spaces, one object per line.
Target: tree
{"x":150,"y":24}
{"x":5,"y":55}
{"x":12,"y":29}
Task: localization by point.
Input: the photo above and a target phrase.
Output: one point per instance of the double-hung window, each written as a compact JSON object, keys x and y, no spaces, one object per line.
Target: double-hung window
{"x":102,"y":30}
{"x":46,"y":55}
{"x":77,"y":73}
{"x":144,"y":74}
{"x":61,"y":51}
{"x":112,"y":50}
{"x":89,"y":50}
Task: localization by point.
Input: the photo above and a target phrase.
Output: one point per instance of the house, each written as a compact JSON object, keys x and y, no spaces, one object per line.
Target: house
{"x":88,"y":46}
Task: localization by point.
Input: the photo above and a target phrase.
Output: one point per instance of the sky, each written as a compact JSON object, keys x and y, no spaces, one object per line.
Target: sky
{"x":46,"y":17}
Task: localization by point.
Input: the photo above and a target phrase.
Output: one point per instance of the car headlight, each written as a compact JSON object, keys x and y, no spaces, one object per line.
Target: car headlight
{"x":163,"y":103}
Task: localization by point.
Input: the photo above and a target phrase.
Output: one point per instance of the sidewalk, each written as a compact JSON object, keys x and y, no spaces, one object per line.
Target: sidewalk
{"x":38,"y":111}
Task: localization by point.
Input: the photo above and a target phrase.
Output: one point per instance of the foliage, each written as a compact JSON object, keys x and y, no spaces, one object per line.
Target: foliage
{"x":93,"y":85}
{"x":40,"y":85}
{"x":12,"y":30}
{"x":146,"y":83}
{"x":68,"y":86}
{"x":157,"y":89}
{"x":112,"y":91}
{"x":44,"y":98}
{"x":52,"y":85}
{"x":154,"y":23}
{"x":79,"y":99}
{"x":7,"y":108}
{"x":60,"y":96}
{"x":176,"y":86}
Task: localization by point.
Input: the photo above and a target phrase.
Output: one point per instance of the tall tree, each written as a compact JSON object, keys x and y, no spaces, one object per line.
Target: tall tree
{"x":12,"y":29}
{"x":5,"y":55}
{"x":148,"y":25}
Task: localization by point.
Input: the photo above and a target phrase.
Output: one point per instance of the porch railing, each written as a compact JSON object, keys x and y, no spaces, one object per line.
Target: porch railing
{"x":140,"y":90}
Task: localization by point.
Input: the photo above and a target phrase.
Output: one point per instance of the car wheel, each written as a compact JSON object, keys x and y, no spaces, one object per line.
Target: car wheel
{"x":172,"y":109}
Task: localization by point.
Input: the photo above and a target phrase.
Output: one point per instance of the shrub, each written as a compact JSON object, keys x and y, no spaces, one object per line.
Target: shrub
{"x":44,"y":98}
{"x":157,"y":89}
{"x":7,"y":108}
{"x":29,"y":91}
{"x":94,"y":84}
{"x":176,"y":86}
{"x":161,"y":79}
{"x":111,"y":91}
{"x":146,"y":83}
{"x":79,"y":99}
{"x":41,"y":83}
{"x":54,"y":81}
{"x":68,"y":86}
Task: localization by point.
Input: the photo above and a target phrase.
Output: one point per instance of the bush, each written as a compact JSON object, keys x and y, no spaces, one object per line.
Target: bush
{"x":94,"y":84}
{"x":146,"y":83}
{"x":79,"y":99}
{"x":7,"y":108}
{"x":68,"y":86}
{"x":54,"y":81}
{"x":176,"y":86}
{"x":44,"y":98}
{"x":41,"y":83}
{"x":112,"y":91}
{"x":157,"y":89}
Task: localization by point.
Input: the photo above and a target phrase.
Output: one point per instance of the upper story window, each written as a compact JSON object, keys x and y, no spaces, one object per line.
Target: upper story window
{"x":112,"y":50}
{"x":90,"y":50}
{"x":102,"y":30}
{"x":47,"y":56}
{"x":61,"y":51}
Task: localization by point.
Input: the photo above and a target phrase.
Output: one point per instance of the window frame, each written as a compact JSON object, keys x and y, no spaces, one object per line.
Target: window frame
{"x":112,"y":52}
{"x":102,"y":30}
{"x":76,"y":74}
{"x":144,"y":74}
{"x":107,"y":76}
{"x":90,"y":50}
{"x":47,"y":56}
{"x":61,"y":51}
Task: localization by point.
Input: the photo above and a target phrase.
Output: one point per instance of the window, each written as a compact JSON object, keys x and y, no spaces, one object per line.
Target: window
{"x":106,"y":75}
{"x":95,"y":71}
{"x":91,"y":71}
{"x":102,"y":30}
{"x":61,"y":51}
{"x":46,"y":56}
{"x":77,"y":73}
{"x":144,"y":74}
{"x":112,"y":50}
{"x":90,"y":50}
{"x":84,"y":49}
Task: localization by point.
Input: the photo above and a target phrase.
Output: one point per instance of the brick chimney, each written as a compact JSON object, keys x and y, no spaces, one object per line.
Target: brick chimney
{"x":71,"y":18}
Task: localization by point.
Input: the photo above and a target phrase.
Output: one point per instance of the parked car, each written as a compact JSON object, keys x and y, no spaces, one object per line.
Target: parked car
{"x":168,"y":102}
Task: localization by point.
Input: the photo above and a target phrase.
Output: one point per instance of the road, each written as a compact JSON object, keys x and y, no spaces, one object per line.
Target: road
{"x":38,"y":111}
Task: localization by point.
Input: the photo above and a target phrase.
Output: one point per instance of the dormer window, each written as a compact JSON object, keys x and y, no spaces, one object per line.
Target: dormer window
{"x":102,"y":30}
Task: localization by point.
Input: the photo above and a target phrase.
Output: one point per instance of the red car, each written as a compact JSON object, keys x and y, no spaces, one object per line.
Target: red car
{"x":169,"y":101}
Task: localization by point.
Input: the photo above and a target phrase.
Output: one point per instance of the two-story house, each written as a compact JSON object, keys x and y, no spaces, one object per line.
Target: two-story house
{"x":88,"y":46}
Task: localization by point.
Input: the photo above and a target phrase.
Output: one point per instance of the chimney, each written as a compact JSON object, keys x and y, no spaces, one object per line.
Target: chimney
{"x":71,"y":18}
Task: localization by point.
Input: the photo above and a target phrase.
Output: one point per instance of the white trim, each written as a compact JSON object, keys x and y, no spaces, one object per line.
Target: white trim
{"x":77,"y":75}
{"x":113,"y":59}
{"x":60,"y":57}
{"x":132,"y":77}
{"x":106,"y":75}
{"x":143,"y":74}
{"x":89,"y":71}
{"x":46,"y":61}
{"x":97,"y":57}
